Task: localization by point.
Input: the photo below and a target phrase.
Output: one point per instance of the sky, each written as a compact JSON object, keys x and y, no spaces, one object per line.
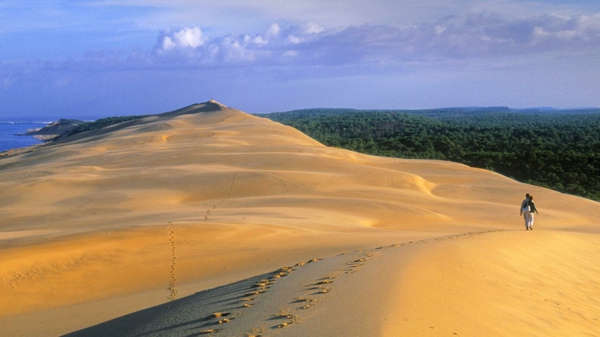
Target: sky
{"x":98,"y":58}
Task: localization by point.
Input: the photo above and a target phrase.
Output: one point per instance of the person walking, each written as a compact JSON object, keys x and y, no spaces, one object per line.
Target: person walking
{"x":523,"y":204}
{"x":528,"y":211}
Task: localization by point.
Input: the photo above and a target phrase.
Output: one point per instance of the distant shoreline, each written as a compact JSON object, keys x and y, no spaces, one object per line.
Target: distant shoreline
{"x":15,"y":135}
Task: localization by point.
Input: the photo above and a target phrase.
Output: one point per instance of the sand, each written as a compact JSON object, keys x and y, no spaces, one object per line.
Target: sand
{"x":206,"y":201}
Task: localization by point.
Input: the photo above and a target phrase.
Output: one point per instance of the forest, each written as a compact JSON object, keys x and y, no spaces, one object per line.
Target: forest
{"x":558,"y":149}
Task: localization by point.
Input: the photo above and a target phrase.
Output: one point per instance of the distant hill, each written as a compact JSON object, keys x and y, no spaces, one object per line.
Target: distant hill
{"x":55,"y":129}
{"x":100,"y":123}
{"x":68,"y":127}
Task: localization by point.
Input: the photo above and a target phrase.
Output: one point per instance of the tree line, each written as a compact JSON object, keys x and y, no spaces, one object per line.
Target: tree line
{"x":555,"y":149}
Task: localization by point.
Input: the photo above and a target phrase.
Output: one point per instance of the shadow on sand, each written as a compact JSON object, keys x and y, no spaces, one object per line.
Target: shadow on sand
{"x":183,"y":317}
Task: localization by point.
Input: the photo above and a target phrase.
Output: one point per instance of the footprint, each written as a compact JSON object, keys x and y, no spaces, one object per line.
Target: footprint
{"x":303,"y":299}
{"x":220,"y":314}
{"x":209,"y":331}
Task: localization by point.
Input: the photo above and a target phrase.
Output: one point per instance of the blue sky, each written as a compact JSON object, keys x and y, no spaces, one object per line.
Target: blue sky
{"x":96,"y":58}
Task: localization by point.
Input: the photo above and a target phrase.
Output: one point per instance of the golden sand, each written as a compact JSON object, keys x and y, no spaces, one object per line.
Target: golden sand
{"x":206,"y":195}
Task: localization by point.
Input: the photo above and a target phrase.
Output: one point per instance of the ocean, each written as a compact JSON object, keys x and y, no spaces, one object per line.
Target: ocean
{"x":9,"y":139}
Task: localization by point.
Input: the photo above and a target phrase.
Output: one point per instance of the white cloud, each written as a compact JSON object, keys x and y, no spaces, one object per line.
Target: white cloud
{"x":189,"y":46}
{"x":540,"y":32}
{"x":273,"y":30}
{"x":184,"y":38}
{"x":589,"y":22}
{"x":293,"y":39}
{"x":311,"y":28}
{"x":259,"y":40}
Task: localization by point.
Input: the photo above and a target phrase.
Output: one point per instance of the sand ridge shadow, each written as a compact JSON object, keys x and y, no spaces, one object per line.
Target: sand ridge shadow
{"x":192,"y":312}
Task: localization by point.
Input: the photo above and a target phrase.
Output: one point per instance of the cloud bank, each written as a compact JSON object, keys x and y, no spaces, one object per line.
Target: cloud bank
{"x":310,"y":44}
{"x":481,"y":35}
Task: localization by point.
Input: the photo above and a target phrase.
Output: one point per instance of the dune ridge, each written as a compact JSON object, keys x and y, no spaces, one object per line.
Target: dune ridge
{"x":205,"y":195}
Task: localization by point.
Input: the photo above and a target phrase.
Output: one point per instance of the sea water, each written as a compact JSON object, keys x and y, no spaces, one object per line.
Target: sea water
{"x":9,"y":130}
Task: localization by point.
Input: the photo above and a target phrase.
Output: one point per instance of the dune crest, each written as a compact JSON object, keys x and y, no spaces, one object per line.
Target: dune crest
{"x":207,"y":194}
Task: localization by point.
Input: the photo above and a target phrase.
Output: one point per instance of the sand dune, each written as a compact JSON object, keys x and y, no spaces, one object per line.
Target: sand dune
{"x":113,"y":221}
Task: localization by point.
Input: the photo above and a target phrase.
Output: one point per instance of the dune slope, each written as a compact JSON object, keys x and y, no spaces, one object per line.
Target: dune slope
{"x":165,"y":206}
{"x":540,"y":283}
